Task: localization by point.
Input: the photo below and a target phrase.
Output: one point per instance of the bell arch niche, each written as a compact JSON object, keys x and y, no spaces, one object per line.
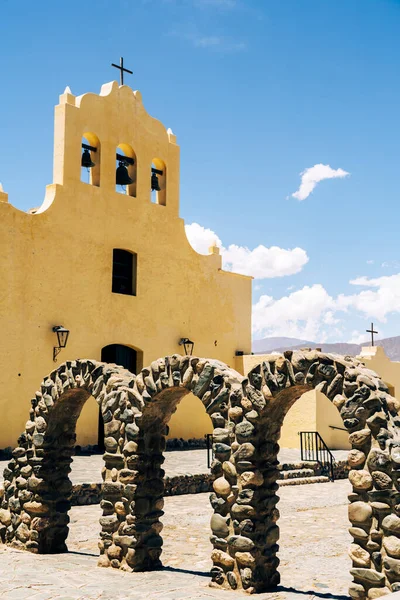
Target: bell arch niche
{"x":247,"y":415}
{"x":90,"y":159}
{"x":158,"y":182}
{"x":126,"y":170}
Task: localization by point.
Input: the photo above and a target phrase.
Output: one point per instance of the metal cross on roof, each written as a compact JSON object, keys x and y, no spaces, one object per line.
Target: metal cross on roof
{"x":371,"y":331}
{"x":121,"y":69}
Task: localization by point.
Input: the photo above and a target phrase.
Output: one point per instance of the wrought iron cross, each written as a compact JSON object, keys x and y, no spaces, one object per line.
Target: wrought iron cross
{"x":371,"y":331}
{"x":121,"y":69}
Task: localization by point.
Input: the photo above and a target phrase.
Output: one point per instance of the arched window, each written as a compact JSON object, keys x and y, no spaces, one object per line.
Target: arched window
{"x":90,"y":159}
{"x":158,"y":182}
{"x":124,"y":272}
{"x":126,"y":170}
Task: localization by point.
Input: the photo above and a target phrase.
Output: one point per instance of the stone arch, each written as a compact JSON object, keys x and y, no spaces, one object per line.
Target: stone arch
{"x":247,"y":414}
{"x":371,"y":416}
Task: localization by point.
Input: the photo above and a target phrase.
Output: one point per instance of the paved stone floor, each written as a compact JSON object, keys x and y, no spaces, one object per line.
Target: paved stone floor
{"x":87,"y":469}
{"x":314,"y":562}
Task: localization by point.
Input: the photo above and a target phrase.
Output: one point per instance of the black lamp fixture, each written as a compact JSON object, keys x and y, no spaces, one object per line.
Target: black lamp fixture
{"x":188,"y":345}
{"x":62,"y":338}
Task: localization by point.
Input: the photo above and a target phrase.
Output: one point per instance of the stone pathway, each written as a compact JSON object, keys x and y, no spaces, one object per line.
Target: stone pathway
{"x":87,"y":469}
{"x":314,"y":561}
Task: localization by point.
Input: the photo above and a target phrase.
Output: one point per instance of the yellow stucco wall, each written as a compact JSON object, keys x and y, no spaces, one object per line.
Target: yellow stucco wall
{"x":374,"y":358}
{"x":190,"y":419}
{"x":56,"y":265}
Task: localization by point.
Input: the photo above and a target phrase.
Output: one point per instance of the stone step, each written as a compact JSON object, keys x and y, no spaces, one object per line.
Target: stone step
{"x":296,"y":473}
{"x":304,"y":480}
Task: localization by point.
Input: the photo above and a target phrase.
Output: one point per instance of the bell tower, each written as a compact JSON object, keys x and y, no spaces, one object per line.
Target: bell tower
{"x":122,"y":147}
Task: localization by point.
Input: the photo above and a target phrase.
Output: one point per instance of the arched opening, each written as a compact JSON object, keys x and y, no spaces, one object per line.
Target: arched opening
{"x":124,"y":272}
{"x":189,"y":422}
{"x":126,"y":170}
{"x":90,"y":159}
{"x":313,"y":411}
{"x":247,"y":415}
{"x":158,"y":182}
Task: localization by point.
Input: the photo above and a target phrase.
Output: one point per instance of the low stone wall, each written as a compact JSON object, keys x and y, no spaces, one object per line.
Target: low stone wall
{"x":89,"y":493}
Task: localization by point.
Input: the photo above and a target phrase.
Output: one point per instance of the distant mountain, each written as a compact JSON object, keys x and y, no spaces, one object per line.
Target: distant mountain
{"x":280,"y":344}
{"x":270,"y":344}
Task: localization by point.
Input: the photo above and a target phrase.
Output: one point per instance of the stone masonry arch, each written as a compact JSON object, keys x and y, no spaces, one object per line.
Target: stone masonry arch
{"x":247,"y":414}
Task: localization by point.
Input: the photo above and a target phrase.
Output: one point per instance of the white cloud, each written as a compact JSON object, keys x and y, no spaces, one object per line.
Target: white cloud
{"x":300,"y":314}
{"x":261,"y":263}
{"x":201,"y":238}
{"x":358,"y":337}
{"x":313,"y":175}
{"x":306,"y":313}
{"x":375,"y":303}
{"x":370,"y":262}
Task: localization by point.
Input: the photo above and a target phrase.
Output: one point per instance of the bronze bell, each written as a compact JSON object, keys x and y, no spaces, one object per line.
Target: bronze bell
{"x":87,"y":160}
{"x":122,"y":175}
{"x":155,"y":186}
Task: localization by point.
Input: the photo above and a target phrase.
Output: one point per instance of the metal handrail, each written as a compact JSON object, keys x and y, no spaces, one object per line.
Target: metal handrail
{"x":339,"y":428}
{"x":314,"y":449}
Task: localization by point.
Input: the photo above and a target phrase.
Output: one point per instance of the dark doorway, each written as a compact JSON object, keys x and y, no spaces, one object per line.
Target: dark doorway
{"x":120,"y":355}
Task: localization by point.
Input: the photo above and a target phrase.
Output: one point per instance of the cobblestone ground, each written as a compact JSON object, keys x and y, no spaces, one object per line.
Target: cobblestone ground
{"x":87,"y":469}
{"x":313,"y":564}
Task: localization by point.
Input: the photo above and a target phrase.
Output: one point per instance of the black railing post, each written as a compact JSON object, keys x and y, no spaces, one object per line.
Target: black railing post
{"x":314,"y":449}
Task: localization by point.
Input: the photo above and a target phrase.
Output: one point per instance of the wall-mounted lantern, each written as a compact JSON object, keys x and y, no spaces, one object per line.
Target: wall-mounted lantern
{"x":188,"y":345}
{"x":62,"y":338}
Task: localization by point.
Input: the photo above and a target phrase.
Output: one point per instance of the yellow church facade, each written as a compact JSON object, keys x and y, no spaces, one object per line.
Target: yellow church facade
{"x":115,"y":269}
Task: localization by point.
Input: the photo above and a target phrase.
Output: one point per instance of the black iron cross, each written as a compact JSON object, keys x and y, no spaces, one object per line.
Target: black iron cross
{"x":371,"y":331}
{"x":122,"y":70}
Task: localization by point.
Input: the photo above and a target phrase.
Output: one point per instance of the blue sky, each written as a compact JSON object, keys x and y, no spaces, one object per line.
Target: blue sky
{"x":257,"y":92}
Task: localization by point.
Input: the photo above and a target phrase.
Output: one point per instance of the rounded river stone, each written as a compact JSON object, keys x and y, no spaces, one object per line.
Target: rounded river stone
{"x":381,"y":480}
{"x":219,"y":525}
{"x":244,"y":451}
{"x":356,"y":458}
{"x":378,"y":592}
{"x":357,"y":591}
{"x":111,"y":444}
{"x":359,"y":556}
{"x":359,"y":438}
{"x":359,"y":512}
{"x":361,"y":479}
{"x":222,"y":558}
{"x":240,"y":543}
{"x":222,"y":486}
{"x":378,"y":460}
{"x":220,"y":435}
{"x":392,"y":524}
{"x":391,"y":543}
{"x":229,"y":469}
{"x":358,"y":533}
{"x":245,"y":559}
{"x":251,"y":478}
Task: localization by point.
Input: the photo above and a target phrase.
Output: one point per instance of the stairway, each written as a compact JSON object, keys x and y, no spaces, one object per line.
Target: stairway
{"x":300,"y":474}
